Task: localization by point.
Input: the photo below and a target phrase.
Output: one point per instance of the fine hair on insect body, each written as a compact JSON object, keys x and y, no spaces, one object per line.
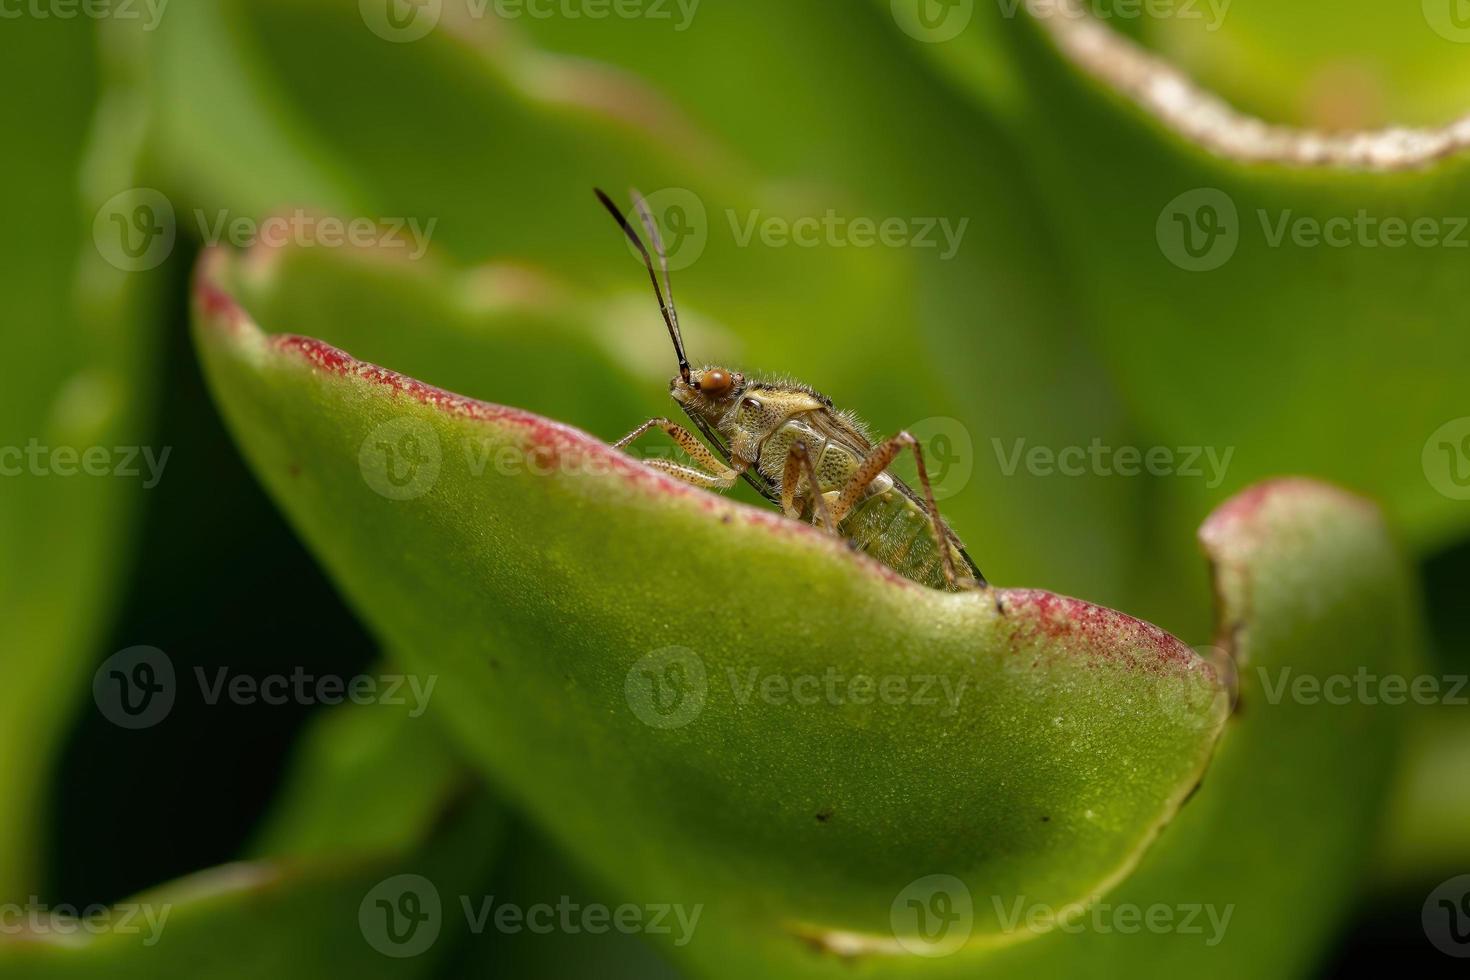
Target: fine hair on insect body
{"x":788,"y":441}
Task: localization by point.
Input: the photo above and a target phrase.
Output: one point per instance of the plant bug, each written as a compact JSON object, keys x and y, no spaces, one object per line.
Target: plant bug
{"x":786,"y":440}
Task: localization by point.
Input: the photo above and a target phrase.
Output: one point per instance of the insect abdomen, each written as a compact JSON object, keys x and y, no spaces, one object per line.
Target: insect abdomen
{"x":893,"y":529}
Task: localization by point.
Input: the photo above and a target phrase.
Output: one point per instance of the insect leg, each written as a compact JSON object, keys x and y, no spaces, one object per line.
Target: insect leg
{"x":799,"y":461}
{"x":720,"y":476}
{"x":710,"y":481}
{"x":879,"y":460}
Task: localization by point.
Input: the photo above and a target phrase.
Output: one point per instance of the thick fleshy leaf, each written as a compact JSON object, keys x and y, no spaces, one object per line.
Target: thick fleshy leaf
{"x":1317,"y":607}
{"x":708,"y":704}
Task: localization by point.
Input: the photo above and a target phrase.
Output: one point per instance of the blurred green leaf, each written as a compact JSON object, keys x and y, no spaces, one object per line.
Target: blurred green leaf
{"x":1426,"y":826}
{"x":78,"y":340}
{"x":375,"y":808}
{"x":1333,"y":66}
{"x":556,"y":606}
{"x":531,"y":874}
{"x":1224,"y":325}
{"x":365,"y":779}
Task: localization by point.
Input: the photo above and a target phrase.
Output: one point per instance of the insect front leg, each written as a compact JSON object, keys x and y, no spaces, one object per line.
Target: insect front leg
{"x":879,"y":460}
{"x":722,"y":477}
{"x":799,"y":463}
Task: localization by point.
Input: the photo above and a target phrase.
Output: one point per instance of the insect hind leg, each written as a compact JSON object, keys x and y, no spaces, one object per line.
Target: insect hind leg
{"x":874,"y":464}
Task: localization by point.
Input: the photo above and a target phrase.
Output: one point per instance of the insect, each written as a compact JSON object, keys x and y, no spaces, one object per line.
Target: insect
{"x":815,"y":462}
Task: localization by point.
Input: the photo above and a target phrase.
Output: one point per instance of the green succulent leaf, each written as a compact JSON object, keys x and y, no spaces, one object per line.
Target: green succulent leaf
{"x":1317,"y":607}
{"x":714,"y":675}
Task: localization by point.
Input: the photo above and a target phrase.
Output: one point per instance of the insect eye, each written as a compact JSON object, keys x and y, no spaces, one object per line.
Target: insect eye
{"x":716,"y":381}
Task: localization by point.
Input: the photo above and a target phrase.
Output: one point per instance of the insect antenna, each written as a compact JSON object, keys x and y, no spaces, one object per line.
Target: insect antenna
{"x":759,"y":481}
{"x":651,"y":226}
{"x":670,"y":320}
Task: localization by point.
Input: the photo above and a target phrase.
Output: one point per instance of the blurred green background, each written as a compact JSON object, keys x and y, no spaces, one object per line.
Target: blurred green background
{"x":1062,"y":315}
